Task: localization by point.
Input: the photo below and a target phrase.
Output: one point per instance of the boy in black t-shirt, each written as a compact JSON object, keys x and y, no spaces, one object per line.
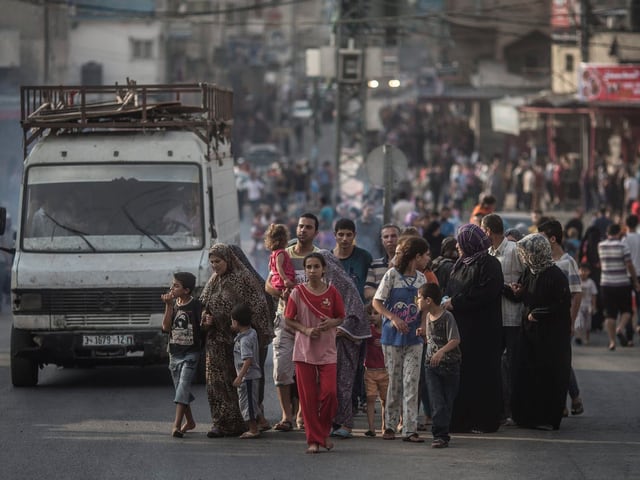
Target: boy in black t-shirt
{"x":182,"y":321}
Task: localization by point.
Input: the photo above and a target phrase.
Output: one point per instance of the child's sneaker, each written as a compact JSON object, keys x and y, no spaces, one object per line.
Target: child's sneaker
{"x":439,"y":443}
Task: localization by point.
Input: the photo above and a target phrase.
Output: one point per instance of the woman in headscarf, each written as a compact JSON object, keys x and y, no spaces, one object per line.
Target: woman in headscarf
{"x":475,"y":290}
{"x":230,"y":284}
{"x":349,"y":336}
{"x":541,"y":376}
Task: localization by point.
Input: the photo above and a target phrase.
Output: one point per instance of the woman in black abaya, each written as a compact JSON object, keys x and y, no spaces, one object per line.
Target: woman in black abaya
{"x":475,"y":287}
{"x":541,"y":374}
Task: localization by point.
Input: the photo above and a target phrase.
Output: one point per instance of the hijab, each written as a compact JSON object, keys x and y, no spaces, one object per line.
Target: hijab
{"x":355,"y":323}
{"x":236,"y":285}
{"x":535,"y":252}
{"x":474,"y":244}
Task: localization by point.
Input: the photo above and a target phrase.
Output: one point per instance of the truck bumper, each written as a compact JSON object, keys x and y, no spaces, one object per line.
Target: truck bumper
{"x":66,"y":349}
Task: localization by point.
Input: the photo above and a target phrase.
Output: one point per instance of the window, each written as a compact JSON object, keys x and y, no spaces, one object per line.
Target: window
{"x":141,"y":49}
{"x":113,"y":208}
{"x":568,"y":62}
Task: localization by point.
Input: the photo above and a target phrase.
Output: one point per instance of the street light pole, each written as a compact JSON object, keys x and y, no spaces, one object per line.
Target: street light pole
{"x":338,"y":104}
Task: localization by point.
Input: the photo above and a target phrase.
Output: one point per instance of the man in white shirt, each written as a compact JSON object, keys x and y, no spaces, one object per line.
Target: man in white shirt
{"x":506,"y":253}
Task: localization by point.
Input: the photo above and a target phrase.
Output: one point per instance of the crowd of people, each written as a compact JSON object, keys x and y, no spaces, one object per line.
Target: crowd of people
{"x":466,"y":326}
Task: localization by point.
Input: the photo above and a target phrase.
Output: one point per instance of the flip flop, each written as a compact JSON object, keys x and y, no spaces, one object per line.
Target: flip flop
{"x":247,"y":435}
{"x":622,"y":338}
{"x":413,"y":438}
{"x":285,"y":426}
{"x":341,"y":433}
{"x":389,"y":434}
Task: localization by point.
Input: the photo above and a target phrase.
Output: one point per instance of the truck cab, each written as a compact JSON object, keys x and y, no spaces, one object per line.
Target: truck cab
{"x":122,"y":187}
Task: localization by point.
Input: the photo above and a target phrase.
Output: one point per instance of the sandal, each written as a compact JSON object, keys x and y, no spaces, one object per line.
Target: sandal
{"x":577,"y":408}
{"x":389,"y":434}
{"x":215,"y":432}
{"x":413,"y":438}
{"x":439,"y":443}
{"x":370,"y":433}
{"x":341,"y":433}
{"x":313,"y":448}
{"x":622,"y":338}
{"x":285,"y":426}
{"x":264,"y":427}
{"x":247,"y":435}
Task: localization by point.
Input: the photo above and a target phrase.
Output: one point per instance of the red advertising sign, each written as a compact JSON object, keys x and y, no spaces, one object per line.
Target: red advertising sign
{"x":609,"y":83}
{"x":565,"y":14}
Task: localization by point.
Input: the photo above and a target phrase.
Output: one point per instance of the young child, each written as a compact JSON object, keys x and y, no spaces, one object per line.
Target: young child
{"x":442,"y":361}
{"x":376,"y":377}
{"x":283,"y":274}
{"x":587,"y":305}
{"x":182,"y":321}
{"x":246,"y":359}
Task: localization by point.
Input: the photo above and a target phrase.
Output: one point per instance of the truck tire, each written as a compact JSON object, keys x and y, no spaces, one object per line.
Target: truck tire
{"x":24,"y":371}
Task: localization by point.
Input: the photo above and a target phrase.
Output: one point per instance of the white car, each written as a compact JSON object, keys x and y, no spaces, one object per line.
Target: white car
{"x":301,"y":110}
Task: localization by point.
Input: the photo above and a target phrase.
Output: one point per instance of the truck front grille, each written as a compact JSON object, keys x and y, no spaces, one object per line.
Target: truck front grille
{"x":97,"y":321}
{"x":131,"y":304}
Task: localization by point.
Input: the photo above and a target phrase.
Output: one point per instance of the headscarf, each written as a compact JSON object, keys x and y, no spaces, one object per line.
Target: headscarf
{"x":355,"y":323}
{"x":236,"y":285}
{"x":535,"y":252}
{"x":473,"y":242}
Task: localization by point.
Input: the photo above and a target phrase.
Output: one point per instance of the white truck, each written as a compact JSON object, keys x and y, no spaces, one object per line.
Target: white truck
{"x":122,"y":186}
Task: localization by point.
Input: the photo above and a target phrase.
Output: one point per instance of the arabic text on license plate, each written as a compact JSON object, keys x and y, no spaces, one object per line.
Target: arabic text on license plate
{"x":106,"y":340}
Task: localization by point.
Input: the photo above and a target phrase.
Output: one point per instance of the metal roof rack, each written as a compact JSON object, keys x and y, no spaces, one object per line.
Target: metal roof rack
{"x":204,"y":109}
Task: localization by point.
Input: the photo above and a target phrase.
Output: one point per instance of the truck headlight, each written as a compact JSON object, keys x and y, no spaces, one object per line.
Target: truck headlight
{"x":29,"y":302}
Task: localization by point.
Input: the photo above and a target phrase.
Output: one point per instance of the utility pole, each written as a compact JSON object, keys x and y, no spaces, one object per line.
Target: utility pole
{"x":585,"y":152}
{"x":349,"y":74}
{"x":47,"y":46}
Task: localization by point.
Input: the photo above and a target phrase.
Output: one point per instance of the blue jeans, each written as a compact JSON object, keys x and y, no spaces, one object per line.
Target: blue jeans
{"x":443,"y":388}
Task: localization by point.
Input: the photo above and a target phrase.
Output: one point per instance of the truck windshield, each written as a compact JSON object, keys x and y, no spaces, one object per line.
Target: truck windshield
{"x":112,"y":208}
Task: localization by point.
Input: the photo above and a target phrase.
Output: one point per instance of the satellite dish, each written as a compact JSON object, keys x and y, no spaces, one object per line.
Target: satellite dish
{"x":386,"y":166}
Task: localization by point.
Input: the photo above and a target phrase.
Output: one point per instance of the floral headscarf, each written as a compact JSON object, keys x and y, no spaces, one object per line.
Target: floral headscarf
{"x":236,"y":285}
{"x":535,"y":252}
{"x":473,"y":242}
{"x":355,"y":323}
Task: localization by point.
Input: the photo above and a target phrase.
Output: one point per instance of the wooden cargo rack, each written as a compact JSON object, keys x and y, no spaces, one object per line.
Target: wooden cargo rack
{"x":204,"y":109}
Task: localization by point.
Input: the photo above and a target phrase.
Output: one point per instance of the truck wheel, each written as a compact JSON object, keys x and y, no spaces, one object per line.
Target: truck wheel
{"x":24,"y":371}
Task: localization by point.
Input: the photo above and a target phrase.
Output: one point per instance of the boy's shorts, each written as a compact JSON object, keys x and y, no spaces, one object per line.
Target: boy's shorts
{"x":376,"y":382}
{"x":183,"y":369}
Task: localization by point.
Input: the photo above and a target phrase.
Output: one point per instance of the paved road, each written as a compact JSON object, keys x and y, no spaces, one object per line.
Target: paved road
{"x":115,"y":422}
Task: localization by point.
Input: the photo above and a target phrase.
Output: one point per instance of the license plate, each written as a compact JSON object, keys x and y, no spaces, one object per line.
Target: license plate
{"x":106,"y":340}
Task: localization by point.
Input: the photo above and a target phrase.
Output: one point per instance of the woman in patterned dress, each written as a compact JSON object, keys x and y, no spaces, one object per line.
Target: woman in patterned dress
{"x":230,"y":284}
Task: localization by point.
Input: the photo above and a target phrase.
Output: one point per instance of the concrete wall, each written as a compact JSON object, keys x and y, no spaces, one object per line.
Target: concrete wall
{"x":109,"y":43}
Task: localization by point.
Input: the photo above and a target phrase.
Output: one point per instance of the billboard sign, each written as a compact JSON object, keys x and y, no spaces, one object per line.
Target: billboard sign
{"x":565,"y":14}
{"x":609,"y":83}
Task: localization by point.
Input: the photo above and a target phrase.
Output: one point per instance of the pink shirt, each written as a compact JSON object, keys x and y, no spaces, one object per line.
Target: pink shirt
{"x":287,"y":266}
{"x":321,"y":350}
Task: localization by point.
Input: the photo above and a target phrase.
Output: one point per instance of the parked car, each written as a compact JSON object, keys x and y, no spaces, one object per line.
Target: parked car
{"x":301,"y":110}
{"x":521,"y":221}
{"x":261,"y":156}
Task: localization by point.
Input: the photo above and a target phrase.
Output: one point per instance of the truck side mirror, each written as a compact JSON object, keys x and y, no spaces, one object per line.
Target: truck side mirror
{"x":3,"y":220}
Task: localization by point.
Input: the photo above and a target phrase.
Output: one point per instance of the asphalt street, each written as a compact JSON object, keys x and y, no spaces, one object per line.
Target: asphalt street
{"x":115,"y":423}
